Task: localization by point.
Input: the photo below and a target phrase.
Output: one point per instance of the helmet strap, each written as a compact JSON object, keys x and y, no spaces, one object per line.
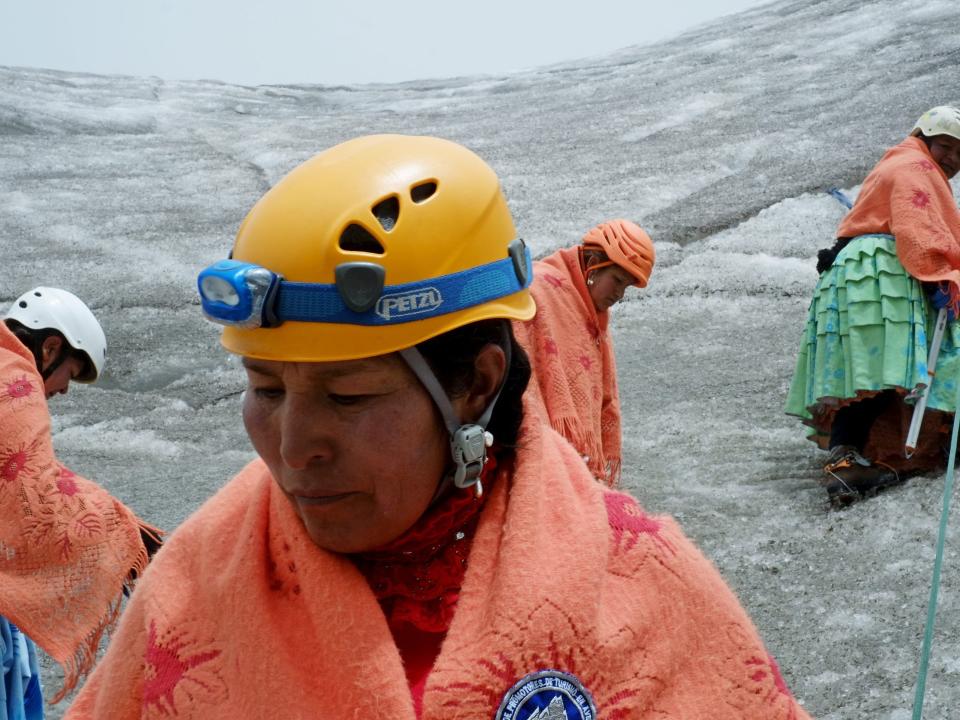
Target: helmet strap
{"x":63,"y":353}
{"x":57,"y":362}
{"x":468,"y":442}
{"x":595,"y":266}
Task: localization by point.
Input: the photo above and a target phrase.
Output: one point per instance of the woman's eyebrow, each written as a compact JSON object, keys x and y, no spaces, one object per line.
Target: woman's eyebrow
{"x":356,"y":367}
{"x":255,"y":366}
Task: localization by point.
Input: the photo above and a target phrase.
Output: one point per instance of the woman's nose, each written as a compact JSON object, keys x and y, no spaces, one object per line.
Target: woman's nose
{"x":306,"y":435}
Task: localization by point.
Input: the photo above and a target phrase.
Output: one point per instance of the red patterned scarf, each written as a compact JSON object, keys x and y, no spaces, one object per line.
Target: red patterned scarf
{"x":417,"y":577}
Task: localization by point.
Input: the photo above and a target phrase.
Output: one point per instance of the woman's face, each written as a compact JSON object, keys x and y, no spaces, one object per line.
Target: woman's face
{"x":945,"y":150}
{"x":58,"y":382}
{"x":356,"y":446}
{"x":607,"y":286}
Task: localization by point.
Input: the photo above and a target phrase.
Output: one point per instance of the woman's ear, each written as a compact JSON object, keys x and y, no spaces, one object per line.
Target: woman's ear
{"x":489,"y":370}
{"x":50,"y":350}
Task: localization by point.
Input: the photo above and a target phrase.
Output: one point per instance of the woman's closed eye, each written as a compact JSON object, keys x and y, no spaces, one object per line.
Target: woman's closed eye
{"x":268,"y":393}
{"x":347,"y":400}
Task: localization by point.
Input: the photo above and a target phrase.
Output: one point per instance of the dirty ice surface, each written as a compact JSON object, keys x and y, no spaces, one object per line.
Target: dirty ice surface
{"x":721,"y":142}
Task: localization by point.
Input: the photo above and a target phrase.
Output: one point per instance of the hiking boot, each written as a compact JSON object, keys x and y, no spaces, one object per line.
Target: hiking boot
{"x":851,"y":476}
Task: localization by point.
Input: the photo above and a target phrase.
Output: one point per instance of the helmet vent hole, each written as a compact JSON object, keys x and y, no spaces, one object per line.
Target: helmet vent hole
{"x":357,"y":239}
{"x":387,"y":211}
{"x":423,"y":191}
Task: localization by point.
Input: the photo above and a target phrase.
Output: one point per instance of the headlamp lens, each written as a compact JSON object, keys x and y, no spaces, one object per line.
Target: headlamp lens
{"x":216,"y":289}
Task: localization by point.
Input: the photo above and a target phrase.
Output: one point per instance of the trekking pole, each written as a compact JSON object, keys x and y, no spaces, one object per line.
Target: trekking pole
{"x":937,"y":563}
{"x":920,"y":408}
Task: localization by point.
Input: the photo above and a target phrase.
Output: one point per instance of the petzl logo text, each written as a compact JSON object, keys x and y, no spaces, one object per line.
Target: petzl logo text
{"x":415,"y":302}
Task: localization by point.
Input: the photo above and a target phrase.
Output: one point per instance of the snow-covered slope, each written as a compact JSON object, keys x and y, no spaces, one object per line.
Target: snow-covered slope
{"x":720,"y":142}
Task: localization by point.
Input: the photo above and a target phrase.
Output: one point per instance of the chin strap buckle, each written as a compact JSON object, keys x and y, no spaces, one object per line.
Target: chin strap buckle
{"x":469,"y":449}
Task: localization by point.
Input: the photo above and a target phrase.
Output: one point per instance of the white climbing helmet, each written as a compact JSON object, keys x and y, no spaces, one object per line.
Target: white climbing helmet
{"x":52,"y":308}
{"x":941,"y":120}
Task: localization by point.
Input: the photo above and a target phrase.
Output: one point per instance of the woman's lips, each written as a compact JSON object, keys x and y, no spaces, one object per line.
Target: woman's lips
{"x":320,"y":499}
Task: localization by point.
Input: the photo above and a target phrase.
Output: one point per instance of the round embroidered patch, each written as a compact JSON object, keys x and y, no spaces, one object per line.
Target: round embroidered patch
{"x":547,"y":695}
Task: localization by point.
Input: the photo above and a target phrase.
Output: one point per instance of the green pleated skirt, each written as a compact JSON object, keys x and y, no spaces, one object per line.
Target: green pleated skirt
{"x":867,"y":330}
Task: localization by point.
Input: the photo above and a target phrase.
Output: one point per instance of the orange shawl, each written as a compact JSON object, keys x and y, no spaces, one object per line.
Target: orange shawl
{"x":241,"y":616}
{"x":66,"y":545}
{"x":571,"y":355}
{"x":907,"y":195}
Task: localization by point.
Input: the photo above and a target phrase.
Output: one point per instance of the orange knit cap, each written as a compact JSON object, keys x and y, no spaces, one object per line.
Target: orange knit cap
{"x":627,"y":245}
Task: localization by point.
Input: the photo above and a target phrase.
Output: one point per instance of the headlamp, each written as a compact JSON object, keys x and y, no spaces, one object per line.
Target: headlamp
{"x":246,"y":295}
{"x":238,"y":293}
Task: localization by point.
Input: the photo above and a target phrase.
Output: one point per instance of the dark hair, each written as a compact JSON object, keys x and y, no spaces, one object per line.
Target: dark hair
{"x":33,"y":340}
{"x":451,"y":356}
{"x":826,"y":256}
{"x":592,"y":252}
{"x":589,"y":253}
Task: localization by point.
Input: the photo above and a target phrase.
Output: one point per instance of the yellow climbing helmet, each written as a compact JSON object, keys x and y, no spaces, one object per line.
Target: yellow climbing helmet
{"x":372,"y":246}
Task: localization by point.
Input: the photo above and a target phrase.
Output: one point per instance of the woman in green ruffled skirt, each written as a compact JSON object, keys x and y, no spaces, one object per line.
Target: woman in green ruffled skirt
{"x":863,"y":353}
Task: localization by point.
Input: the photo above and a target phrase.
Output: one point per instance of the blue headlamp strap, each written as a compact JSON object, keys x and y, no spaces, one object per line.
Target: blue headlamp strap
{"x":238,"y":293}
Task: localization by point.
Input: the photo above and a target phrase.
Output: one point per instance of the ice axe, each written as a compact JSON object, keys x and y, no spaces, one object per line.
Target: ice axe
{"x":840,"y":196}
{"x":911,"y":444}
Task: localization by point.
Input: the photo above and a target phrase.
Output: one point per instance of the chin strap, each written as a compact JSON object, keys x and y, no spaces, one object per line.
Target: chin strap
{"x":57,"y":362}
{"x":468,"y":442}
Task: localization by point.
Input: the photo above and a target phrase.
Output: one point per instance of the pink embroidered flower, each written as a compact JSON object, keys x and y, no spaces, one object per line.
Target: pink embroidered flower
{"x":764,"y":672}
{"x":21,"y":387}
{"x":585,"y":361}
{"x":13,"y":465}
{"x":14,"y":461}
{"x":65,"y":515}
{"x":18,"y":391}
{"x":920,"y":199}
{"x":627,"y":520}
{"x":925,"y":165}
{"x":551,"y":347}
{"x":66,"y":482}
{"x":178,"y":668}
{"x":553,"y":280}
